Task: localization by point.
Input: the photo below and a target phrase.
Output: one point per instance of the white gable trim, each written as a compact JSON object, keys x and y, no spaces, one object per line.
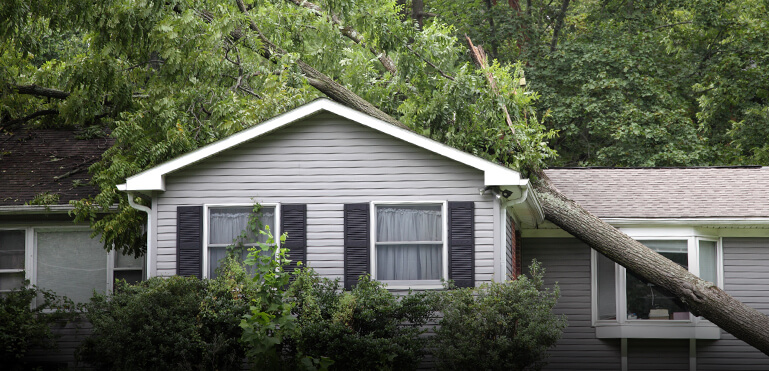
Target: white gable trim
{"x":154,"y":179}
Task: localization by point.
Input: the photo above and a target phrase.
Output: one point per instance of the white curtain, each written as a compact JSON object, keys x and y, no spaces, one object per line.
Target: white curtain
{"x":708,"y":258}
{"x":225,"y":225}
{"x":409,"y":261}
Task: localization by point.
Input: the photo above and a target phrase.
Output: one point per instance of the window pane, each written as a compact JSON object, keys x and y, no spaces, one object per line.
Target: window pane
{"x":71,"y":264}
{"x":132,"y":276}
{"x":11,"y":249}
{"x":10,"y":281}
{"x":128,"y":261}
{"x":226,"y":224}
{"x":648,"y":301}
{"x":607,"y":294}
{"x":409,"y":223}
{"x":409,"y":262}
{"x":708,"y":267}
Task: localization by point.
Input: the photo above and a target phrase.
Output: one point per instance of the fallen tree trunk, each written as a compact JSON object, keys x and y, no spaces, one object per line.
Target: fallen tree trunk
{"x":701,"y":297}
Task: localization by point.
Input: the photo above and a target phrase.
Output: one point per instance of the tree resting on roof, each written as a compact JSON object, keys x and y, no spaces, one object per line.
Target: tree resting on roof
{"x":168,"y":77}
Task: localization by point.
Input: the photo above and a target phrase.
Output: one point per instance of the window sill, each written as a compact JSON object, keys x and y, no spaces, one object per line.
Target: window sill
{"x":413,"y":285}
{"x":658,"y":330}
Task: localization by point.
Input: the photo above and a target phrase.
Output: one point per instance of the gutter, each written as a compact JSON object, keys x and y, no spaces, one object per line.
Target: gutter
{"x":147,"y":210}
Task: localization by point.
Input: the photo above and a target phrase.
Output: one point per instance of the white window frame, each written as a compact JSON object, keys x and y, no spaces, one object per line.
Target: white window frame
{"x":30,"y":253}
{"x":622,"y":327}
{"x":411,"y":284}
{"x":206,"y":221}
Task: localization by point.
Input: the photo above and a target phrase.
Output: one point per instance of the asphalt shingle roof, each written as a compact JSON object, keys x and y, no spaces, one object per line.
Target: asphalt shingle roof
{"x":667,"y":192}
{"x":55,"y":161}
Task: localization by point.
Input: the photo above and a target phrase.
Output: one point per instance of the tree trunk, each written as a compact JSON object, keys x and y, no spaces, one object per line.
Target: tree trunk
{"x":701,"y":297}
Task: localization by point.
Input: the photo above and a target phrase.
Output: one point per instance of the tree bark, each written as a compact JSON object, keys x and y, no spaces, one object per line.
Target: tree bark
{"x":701,"y":297}
{"x":40,"y":91}
{"x":559,"y":24}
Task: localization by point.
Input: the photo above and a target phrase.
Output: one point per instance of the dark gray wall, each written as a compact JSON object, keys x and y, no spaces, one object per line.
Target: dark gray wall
{"x":567,"y":262}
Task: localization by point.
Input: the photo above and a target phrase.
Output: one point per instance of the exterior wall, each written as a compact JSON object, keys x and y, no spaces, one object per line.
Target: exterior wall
{"x":567,"y":262}
{"x":62,"y":357}
{"x":746,"y":277}
{"x":325,"y":162}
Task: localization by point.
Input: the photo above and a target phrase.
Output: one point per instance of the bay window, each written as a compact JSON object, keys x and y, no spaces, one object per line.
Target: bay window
{"x":623,"y":299}
{"x":409,"y":243}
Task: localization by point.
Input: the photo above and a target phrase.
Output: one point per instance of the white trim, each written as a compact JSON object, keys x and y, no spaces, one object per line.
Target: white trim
{"x":411,"y":284}
{"x":656,"y":330}
{"x":503,"y":273}
{"x":154,"y":179}
{"x":716,"y":221}
{"x":206,"y":213}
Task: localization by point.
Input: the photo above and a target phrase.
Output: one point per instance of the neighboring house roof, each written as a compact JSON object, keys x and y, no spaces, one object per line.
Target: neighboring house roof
{"x":703,"y":192}
{"x":154,"y":179}
{"x":33,"y":162}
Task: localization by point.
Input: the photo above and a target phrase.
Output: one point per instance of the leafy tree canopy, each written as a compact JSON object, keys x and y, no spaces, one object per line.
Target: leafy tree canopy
{"x":636,"y":83}
{"x":167,"y":77}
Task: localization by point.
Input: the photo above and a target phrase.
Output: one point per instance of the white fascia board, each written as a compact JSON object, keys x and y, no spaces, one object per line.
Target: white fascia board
{"x":719,"y":221}
{"x":153,"y":179}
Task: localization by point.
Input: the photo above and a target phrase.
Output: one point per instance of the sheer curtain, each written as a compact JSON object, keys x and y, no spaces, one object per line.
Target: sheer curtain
{"x":225,"y":225}
{"x":409,"y":242}
{"x":708,"y":261}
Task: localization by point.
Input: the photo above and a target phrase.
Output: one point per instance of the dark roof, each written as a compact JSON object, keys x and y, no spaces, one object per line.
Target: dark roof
{"x":667,"y":192}
{"x":33,"y":162}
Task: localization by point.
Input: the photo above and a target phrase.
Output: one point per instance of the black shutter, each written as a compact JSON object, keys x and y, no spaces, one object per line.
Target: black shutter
{"x":462,"y":243}
{"x":356,"y":243}
{"x":293,"y":220}
{"x":189,"y":240}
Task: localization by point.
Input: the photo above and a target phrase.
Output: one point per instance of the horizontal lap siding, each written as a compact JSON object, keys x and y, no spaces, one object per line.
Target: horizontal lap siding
{"x":69,"y":336}
{"x":567,"y":262}
{"x":324,"y":162}
{"x":746,"y":277}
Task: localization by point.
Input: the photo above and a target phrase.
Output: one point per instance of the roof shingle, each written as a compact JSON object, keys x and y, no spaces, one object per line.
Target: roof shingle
{"x":33,"y":162}
{"x":667,"y":192}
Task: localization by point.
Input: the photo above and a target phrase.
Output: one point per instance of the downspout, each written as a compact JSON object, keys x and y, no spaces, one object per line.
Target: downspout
{"x":149,"y":227}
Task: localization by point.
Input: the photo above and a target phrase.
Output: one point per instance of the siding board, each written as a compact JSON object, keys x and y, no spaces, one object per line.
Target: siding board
{"x":325,"y":162}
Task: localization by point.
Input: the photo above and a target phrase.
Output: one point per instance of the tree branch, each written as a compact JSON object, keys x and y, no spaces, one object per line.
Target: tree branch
{"x":444,"y":74}
{"x":350,"y":33}
{"x":13,"y":124}
{"x":559,"y":24}
{"x":40,"y":91}
{"x":669,"y":25}
{"x":320,"y":81}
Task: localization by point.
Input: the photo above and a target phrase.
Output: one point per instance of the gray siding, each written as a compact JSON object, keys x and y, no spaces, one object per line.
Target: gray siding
{"x":509,"y":238}
{"x":325,"y":162}
{"x":567,"y":262}
{"x":746,"y":277}
{"x":69,"y":335}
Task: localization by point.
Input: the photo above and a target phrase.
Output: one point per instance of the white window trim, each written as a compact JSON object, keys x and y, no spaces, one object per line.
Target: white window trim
{"x":693,"y":328}
{"x":411,"y":284}
{"x":206,"y":221}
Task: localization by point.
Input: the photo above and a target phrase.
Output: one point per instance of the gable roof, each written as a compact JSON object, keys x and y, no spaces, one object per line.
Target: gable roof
{"x":36,"y":161}
{"x":654,"y":193}
{"x":153,"y":179}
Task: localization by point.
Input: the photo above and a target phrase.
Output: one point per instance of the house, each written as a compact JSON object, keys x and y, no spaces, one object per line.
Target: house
{"x":355,"y":194}
{"x":714,"y":221}
{"x":41,"y":170}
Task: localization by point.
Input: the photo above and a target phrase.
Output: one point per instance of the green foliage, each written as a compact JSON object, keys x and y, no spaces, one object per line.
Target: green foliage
{"x":23,"y":326}
{"x":168,"y":77}
{"x":44,"y":199}
{"x":364,"y":329}
{"x":175,"y":323}
{"x":498,"y":326}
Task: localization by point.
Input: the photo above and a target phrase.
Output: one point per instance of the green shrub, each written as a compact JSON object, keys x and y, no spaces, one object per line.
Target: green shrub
{"x":363,"y":329}
{"x":175,"y":323}
{"x":23,"y":327}
{"x":498,"y":326}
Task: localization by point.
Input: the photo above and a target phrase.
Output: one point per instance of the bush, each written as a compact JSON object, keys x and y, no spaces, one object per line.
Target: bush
{"x":498,"y":326}
{"x":22,"y":328}
{"x":175,"y":323}
{"x":359,"y":329}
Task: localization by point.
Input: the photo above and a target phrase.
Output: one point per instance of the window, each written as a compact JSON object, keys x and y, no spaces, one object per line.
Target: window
{"x":66,"y":261}
{"x":409,"y":242}
{"x":224,"y":227}
{"x":12,"y":250}
{"x":624,"y":299}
